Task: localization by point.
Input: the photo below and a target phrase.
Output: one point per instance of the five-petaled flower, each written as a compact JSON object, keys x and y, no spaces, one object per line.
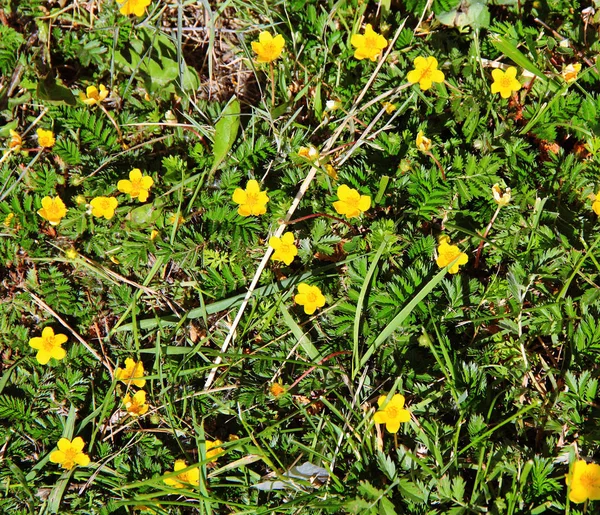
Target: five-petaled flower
{"x":368,"y":45}
{"x":570,"y":72}
{"x":212,"y":449}
{"x":310,"y":297}
{"x":70,"y":453}
{"x":423,"y":143}
{"x":138,"y":185}
{"x":310,"y":153}
{"x":136,"y":7}
{"x":252,"y":201}
{"x":425,"y":72}
{"x":191,"y":477}
{"x":93,"y":95}
{"x":49,"y":345}
{"x":284,"y":248}
{"x":392,"y":413}
{"x":53,"y":210}
{"x":132,"y":373}
{"x":45,"y":138}
{"x":16,"y":141}
{"x":502,"y":199}
{"x":351,"y":203}
{"x":505,"y":82}
{"x":136,"y":405}
{"x":448,"y":253}
{"x":268,"y":48}
{"x":104,"y":207}
{"x":584,"y":482}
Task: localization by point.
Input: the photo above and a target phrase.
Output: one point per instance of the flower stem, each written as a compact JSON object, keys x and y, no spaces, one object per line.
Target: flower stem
{"x":116,"y":125}
{"x":487,"y":230}
{"x":439,"y":165}
{"x":272,"y":73}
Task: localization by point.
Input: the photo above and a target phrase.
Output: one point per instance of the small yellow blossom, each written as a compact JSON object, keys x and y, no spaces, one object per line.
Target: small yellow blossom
{"x":176,"y":219}
{"x":448,"y":253}
{"x":351,"y":203}
{"x":71,"y":253}
{"x":49,"y":345}
{"x":310,"y":297}
{"x":252,"y":201}
{"x":368,"y":45}
{"x":392,"y":414}
{"x":136,"y":7}
{"x":53,"y":210}
{"x":70,"y":453}
{"x":425,"y":72}
{"x":114,"y":260}
{"x":331,"y":172}
{"x":138,"y":185}
{"x":423,"y":143}
{"x":79,"y":199}
{"x":284,"y":248}
{"x":136,"y":405}
{"x":93,"y":95}
{"x":16,"y":141}
{"x":502,"y":199}
{"x":276,"y":389}
{"x":191,"y":477}
{"x":332,"y":105}
{"x":45,"y":138}
{"x":132,"y":373}
{"x":8,"y":220}
{"x":310,"y":153}
{"x":570,"y":72}
{"x":389,"y":107}
{"x":505,"y":82}
{"x":212,"y":449}
{"x":104,"y":207}
{"x":153,"y":234}
{"x":268,"y":48}
{"x":584,"y":482}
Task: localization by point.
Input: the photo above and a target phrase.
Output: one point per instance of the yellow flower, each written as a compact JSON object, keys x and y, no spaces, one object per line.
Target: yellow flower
{"x":310,"y":153}
{"x":212,"y":449}
{"x":389,"y":107}
{"x":93,"y":96}
{"x":368,"y":45}
{"x":332,"y":105}
{"x":331,"y":172}
{"x":423,"y":143}
{"x":276,"y":389}
{"x":425,"y":72}
{"x":71,"y":253}
{"x":53,"y":210}
{"x":584,"y":482}
{"x":136,"y":405}
{"x":69,"y":453}
{"x":310,"y":297}
{"x":136,"y":7}
{"x":153,"y":234}
{"x":138,"y":185}
{"x":45,"y":138}
{"x":15,"y":141}
{"x":391,"y":414}
{"x":252,"y":201}
{"x":448,"y":253}
{"x":132,"y":373}
{"x":571,"y":71}
{"x":104,"y":207}
{"x":284,"y":247}
{"x":502,"y":199}
{"x":49,"y":345}
{"x":8,"y":220}
{"x":596,"y":204}
{"x":351,"y":202}
{"x":505,"y":82}
{"x":191,"y":477}
{"x":268,"y":48}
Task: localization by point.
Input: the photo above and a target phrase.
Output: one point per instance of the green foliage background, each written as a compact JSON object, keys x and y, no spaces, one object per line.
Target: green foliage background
{"x":498,"y":363}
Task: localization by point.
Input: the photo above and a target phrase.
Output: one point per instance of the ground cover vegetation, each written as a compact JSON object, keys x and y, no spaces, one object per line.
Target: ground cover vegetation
{"x":299,"y":256}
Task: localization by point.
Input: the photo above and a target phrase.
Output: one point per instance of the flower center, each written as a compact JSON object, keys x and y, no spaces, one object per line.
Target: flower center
{"x":506,"y":82}
{"x":371,"y":43}
{"x":54,"y":211}
{"x":392,"y":412}
{"x":426,"y":72}
{"x":70,"y":458}
{"x":251,"y":198}
{"x":589,"y":480}
{"x":286,"y":249}
{"x":311,"y":297}
{"x":49,"y":344}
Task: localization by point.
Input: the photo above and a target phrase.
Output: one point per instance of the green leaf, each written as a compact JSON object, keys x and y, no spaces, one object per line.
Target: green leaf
{"x":226,"y":131}
{"x":51,"y":91}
